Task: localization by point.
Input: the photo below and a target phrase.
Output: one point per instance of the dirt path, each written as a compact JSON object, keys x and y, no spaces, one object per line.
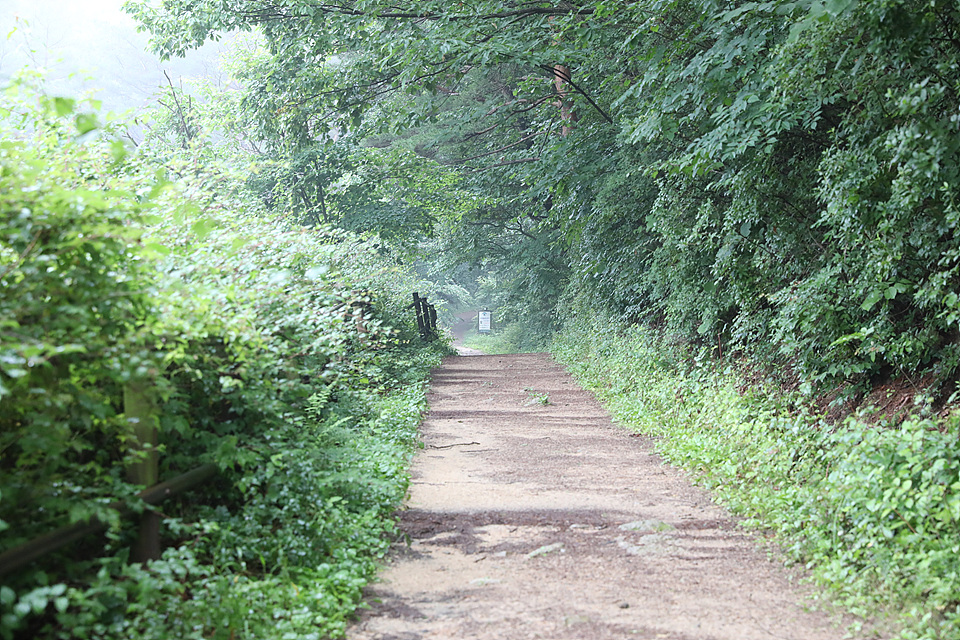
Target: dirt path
{"x":533,"y":520}
{"x":463,"y":323}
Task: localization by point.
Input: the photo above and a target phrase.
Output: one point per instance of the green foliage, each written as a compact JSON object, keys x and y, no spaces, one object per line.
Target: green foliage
{"x":773,"y":179}
{"x":777,"y":176}
{"x":76,"y":311}
{"x":513,"y":338}
{"x":874,"y":511}
{"x":298,"y":549}
{"x":285,"y":355}
{"x":330,"y":66}
{"x":801,"y":201}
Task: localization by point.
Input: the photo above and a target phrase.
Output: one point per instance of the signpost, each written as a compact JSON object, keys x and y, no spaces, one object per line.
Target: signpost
{"x":484,"y":321}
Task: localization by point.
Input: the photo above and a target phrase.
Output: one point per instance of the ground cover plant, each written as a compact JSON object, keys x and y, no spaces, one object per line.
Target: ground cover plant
{"x":501,"y":340}
{"x":285,"y":356}
{"x":873,"y":509}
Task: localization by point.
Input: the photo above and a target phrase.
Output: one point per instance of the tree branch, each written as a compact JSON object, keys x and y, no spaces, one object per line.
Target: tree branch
{"x":504,"y":164}
{"x":183,"y":120}
{"x":276,"y":13}
{"x":566,"y":78}
{"x":503,"y":148}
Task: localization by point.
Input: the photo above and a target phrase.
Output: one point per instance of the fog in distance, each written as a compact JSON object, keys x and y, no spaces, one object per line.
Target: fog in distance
{"x":85,"y":45}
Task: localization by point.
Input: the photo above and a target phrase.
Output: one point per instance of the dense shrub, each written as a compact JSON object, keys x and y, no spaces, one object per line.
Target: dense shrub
{"x":285,"y":356}
{"x":75,"y":308}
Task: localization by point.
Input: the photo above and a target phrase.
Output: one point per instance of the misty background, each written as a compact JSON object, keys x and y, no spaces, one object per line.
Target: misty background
{"x":83,"y":45}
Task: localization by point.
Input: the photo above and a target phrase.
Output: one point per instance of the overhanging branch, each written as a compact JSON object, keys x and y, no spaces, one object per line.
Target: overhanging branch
{"x":505,"y":164}
{"x":503,"y":148}
{"x":556,"y":72}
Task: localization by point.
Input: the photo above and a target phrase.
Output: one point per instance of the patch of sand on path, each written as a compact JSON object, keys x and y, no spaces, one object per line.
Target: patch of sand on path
{"x":535,"y":520}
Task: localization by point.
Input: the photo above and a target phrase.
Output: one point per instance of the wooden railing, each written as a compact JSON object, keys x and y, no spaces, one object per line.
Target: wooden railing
{"x":426,"y":317}
{"x":24,"y":554}
{"x":141,"y":410}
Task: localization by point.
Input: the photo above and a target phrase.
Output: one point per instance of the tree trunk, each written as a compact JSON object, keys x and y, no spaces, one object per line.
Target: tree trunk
{"x":561,"y":75}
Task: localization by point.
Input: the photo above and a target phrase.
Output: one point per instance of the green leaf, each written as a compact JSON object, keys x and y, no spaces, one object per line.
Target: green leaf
{"x":202,"y":227}
{"x":86,"y":122}
{"x":156,"y":249}
{"x":63,"y":106}
{"x":872,"y":299}
{"x":836,"y":7}
{"x":119,"y":151}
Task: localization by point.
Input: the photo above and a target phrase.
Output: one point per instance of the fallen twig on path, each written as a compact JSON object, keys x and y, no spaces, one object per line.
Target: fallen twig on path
{"x":447,"y":446}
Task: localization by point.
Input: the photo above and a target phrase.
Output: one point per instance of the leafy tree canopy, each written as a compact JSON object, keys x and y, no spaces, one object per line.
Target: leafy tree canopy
{"x":776,"y":175}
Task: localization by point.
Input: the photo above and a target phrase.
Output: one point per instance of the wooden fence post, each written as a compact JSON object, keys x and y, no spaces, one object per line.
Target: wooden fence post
{"x":140,"y":409}
{"x":418,"y":309}
{"x":426,"y":317}
{"x":432,"y":320}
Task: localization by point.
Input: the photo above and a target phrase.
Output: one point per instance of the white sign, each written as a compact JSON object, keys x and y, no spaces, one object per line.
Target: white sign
{"x":484,"y":320}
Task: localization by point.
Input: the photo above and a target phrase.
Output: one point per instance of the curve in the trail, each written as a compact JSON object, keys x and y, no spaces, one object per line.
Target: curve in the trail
{"x":532,"y":516}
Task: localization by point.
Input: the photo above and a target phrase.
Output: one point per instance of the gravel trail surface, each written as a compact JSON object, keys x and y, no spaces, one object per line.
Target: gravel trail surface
{"x":532,"y":516}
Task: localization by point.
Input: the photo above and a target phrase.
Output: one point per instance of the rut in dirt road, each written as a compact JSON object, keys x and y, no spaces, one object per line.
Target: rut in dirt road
{"x":532,"y":516}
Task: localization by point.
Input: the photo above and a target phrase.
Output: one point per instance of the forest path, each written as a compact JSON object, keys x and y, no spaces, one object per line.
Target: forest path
{"x":532,"y":516}
{"x":463,"y":323}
